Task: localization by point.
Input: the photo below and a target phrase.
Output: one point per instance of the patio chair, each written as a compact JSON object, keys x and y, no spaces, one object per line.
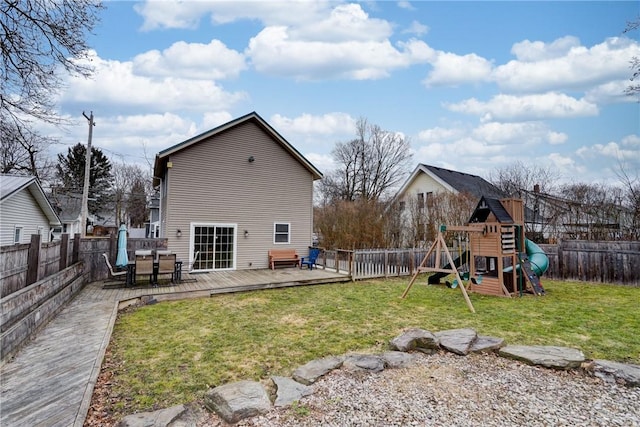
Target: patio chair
{"x":310,"y":261}
{"x":144,"y":266}
{"x":167,"y":265}
{"x":116,"y":275}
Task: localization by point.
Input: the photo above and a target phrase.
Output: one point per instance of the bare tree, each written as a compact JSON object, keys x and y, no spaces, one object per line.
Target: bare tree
{"x":347,"y":224}
{"x":37,"y":39}
{"x":633,"y":88}
{"x":631,"y":188}
{"x":368,"y":166}
{"x":24,"y":151}
{"x":129,"y":193}
{"x":537,"y":187}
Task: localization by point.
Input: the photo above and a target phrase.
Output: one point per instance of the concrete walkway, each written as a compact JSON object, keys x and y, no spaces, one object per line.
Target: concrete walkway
{"x":50,"y":381}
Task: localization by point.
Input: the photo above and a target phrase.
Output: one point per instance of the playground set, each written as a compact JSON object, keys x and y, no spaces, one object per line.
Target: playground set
{"x":498,"y":259}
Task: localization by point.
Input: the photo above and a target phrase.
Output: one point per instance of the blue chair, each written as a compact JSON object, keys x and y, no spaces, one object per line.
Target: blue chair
{"x":310,"y":261}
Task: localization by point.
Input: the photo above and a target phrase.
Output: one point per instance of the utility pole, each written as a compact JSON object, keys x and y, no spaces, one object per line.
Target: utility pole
{"x":87,"y":171}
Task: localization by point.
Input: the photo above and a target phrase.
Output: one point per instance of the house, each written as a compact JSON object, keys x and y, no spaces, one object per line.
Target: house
{"x":426,"y":180}
{"x":68,"y":207}
{"x":232,"y":193}
{"x":24,"y":210}
{"x":432,"y":196}
{"x":153,"y":226}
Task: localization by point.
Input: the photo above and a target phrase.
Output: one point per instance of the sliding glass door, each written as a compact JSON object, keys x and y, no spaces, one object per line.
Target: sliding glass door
{"x":215,"y":246}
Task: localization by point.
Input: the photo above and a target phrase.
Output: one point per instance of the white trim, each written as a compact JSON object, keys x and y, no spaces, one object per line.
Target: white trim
{"x":192,"y":227}
{"x":288,"y":224}
{"x":17,"y":229}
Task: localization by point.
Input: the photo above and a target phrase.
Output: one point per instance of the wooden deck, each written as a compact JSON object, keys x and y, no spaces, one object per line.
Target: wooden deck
{"x":50,"y":381}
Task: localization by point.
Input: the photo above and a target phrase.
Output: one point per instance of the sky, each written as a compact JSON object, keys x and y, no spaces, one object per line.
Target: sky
{"x":474,"y":86}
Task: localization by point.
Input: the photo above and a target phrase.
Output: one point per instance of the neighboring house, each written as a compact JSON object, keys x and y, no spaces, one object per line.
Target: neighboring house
{"x":555,"y":217}
{"x":24,"y":210}
{"x":232,"y":193}
{"x":153,"y":227}
{"x":429,"y":197}
{"x":426,"y":180}
{"x":68,"y":207}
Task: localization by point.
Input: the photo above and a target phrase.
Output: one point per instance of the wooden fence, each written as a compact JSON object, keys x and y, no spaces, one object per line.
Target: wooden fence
{"x":589,"y":261}
{"x":594,"y":261}
{"x":24,"y":264}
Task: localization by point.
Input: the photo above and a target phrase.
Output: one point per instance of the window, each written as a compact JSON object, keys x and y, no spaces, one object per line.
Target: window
{"x":402,"y":205}
{"x":17,"y":234}
{"x":281,"y":232}
{"x":420,"y":201}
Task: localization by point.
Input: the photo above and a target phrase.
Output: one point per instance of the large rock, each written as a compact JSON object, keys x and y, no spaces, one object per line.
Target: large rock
{"x":609,"y":371}
{"x":458,"y":341}
{"x":239,"y":400}
{"x":309,"y":373}
{"x":416,"y":339}
{"x":289,"y":391}
{"x":397,"y":359}
{"x":161,"y":418}
{"x":363,"y":362}
{"x":485,"y":344}
{"x":547,"y":356}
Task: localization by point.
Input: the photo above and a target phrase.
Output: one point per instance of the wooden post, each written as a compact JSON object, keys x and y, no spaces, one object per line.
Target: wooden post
{"x":33,"y":259}
{"x":76,"y":248}
{"x":64,"y":249}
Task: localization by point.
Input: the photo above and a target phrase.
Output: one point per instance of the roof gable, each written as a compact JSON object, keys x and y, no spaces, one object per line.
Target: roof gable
{"x":163,"y":156}
{"x":488,"y":206}
{"x":11,"y":185}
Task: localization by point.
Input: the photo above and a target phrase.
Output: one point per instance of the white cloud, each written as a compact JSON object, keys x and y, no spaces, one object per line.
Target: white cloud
{"x":439,"y":134}
{"x":326,"y":124}
{"x":158,"y":14}
{"x":610,"y":92}
{"x":416,"y":28}
{"x":565,"y":165}
{"x":346,"y":22}
{"x":451,"y":69}
{"x":211,"y":120}
{"x":529,"y":107}
{"x":119,"y":88}
{"x":518,"y":133}
{"x":403,"y":4}
{"x":191,"y":60}
{"x":323,"y":162}
{"x":528,"y":51}
{"x":626,"y":151}
{"x":565,"y":64}
{"x":273,"y":51}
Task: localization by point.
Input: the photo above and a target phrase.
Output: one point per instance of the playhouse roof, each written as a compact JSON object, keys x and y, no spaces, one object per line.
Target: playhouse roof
{"x":488,"y":206}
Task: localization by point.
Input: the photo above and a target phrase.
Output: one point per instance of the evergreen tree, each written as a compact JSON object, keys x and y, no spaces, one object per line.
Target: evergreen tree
{"x":70,"y":172}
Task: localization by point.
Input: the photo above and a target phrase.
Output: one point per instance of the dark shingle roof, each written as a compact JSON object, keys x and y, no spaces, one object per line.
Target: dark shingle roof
{"x":487,"y":206}
{"x":467,"y":183}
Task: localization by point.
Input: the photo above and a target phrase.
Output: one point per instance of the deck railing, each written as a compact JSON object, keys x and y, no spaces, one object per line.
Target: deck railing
{"x":365,"y":264}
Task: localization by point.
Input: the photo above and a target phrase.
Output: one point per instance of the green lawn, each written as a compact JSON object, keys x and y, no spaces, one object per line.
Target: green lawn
{"x":172,"y":352}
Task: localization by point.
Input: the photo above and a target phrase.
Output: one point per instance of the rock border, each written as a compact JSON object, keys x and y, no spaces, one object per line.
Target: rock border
{"x":243,"y":399}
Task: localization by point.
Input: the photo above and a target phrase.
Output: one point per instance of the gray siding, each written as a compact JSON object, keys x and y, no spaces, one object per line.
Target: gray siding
{"x":22,"y":210}
{"x":213,"y":182}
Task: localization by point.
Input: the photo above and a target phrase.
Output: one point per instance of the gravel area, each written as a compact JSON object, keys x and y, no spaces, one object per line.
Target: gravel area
{"x":449,"y":390}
